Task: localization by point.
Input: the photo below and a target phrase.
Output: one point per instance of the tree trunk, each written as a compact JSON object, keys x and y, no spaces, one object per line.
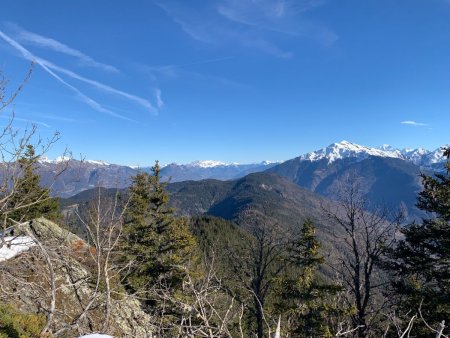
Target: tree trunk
{"x":259,"y":318}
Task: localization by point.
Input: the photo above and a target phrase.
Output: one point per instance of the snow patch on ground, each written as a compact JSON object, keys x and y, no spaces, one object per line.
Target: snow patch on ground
{"x":14,"y":245}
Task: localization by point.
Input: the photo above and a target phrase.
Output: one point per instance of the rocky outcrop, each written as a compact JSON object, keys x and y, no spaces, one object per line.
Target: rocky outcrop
{"x":26,"y":282}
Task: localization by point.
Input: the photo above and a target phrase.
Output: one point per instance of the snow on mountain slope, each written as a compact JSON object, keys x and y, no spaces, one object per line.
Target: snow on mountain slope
{"x":59,"y":159}
{"x":345,"y":149}
{"x":214,"y":164}
{"x":423,"y":157}
{"x":207,"y":164}
{"x":97,"y":162}
{"x":336,"y":151}
{"x":416,"y":156}
{"x":62,"y":159}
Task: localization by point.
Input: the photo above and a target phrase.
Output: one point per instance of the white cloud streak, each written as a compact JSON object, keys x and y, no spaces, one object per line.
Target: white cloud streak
{"x":247,"y":23}
{"x":86,"y":99}
{"x":138,"y":100}
{"x":281,"y":16}
{"x":15,"y":118}
{"x":57,"y":118}
{"x":159,"y":101}
{"x":414,"y":123}
{"x":211,"y":28}
{"x":175,"y":71}
{"x":27,"y":37}
{"x":51,"y":68}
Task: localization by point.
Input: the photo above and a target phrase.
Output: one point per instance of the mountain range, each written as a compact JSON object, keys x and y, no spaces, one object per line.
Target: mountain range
{"x":384,"y":176}
{"x":421,"y":157}
{"x":201,"y":170}
{"x":68,"y":177}
{"x":311,"y":170}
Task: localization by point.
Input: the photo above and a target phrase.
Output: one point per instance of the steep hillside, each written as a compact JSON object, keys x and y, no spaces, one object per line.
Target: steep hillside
{"x":259,"y":191}
{"x":280,"y":200}
{"x":382,"y":180}
{"x":282,"y":203}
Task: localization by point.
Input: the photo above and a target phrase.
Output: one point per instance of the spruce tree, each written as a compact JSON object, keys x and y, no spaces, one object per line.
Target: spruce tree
{"x":421,"y":261}
{"x":158,"y":244}
{"x":303,"y":298}
{"x":29,"y":199}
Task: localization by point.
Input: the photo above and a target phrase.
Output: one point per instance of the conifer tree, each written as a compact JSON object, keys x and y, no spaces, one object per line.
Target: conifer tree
{"x":29,"y":199}
{"x":421,"y":261}
{"x":303,"y":298}
{"x":158,"y":243}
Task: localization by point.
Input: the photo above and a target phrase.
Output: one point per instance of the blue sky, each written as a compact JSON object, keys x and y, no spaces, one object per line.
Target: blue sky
{"x":231,"y":80}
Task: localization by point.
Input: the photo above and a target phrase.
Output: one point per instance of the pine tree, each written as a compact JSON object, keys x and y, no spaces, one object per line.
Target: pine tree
{"x":304,"y":298}
{"x":29,"y":199}
{"x":158,"y":243}
{"x":421,"y":261}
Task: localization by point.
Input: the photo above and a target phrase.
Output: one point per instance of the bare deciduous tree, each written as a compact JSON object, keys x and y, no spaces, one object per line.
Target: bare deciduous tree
{"x":363,"y":236}
{"x":14,"y":144}
{"x":103,"y":223}
{"x":258,"y":262}
{"x":205,"y":308}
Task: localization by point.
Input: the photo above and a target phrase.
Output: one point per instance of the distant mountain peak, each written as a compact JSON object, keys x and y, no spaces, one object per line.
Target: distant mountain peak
{"x":267,"y":162}
{"x":61,"y":159}
{"x":346,"y":149}
{"x":386,"y":147}
{"x":214,"y":164}
{"x":97,"y":162}
{"x":207,"y":164}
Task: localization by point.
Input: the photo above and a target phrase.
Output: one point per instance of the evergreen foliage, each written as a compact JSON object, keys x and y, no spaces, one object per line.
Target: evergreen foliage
{"x":421,"y":261}
{"x":302,"y":298}
{"x":215,"y":236}
{"x":30,"y":200}
{"x":158,"y":244}
{"x":17,"y":324}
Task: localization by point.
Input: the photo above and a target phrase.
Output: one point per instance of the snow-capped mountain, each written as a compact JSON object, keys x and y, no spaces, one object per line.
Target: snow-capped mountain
{"x":207,"y":164}
{"x":422,"y":157}
{"x":209,"y":169}
{"x":65,"y":159}
{"x":81,"y":175}
{"x":97,"y":162}
{"x":59,"y":159}
{"x":387,"y":176}
{"x":215,"y":164}
{"x":344,"y":149}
